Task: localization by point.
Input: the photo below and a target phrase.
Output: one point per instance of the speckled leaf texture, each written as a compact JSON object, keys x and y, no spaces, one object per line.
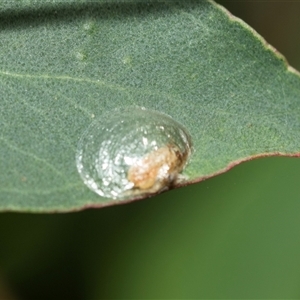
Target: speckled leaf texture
{"x":64,"y":64}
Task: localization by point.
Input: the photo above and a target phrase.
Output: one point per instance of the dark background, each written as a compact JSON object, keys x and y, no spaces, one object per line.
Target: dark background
{"x":232,"y":236}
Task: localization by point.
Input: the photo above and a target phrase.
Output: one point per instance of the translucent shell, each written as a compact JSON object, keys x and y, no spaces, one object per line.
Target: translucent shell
{"x":132,"y":153}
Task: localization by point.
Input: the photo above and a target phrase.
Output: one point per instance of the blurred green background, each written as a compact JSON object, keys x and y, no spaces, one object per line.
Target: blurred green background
{"x":232,"y":236}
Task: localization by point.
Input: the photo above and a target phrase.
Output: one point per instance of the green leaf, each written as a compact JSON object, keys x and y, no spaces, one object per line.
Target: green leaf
{"x":64,"y":64}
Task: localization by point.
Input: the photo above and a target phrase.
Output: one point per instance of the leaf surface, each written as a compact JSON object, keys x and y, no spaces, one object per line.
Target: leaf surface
{"x":63,"y":65}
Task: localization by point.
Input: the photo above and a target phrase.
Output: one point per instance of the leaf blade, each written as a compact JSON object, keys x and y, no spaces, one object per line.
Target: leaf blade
{"x":192,"y":61}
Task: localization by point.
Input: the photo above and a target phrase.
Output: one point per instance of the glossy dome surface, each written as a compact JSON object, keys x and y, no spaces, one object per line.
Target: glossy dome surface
{"x":132,"y":153}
